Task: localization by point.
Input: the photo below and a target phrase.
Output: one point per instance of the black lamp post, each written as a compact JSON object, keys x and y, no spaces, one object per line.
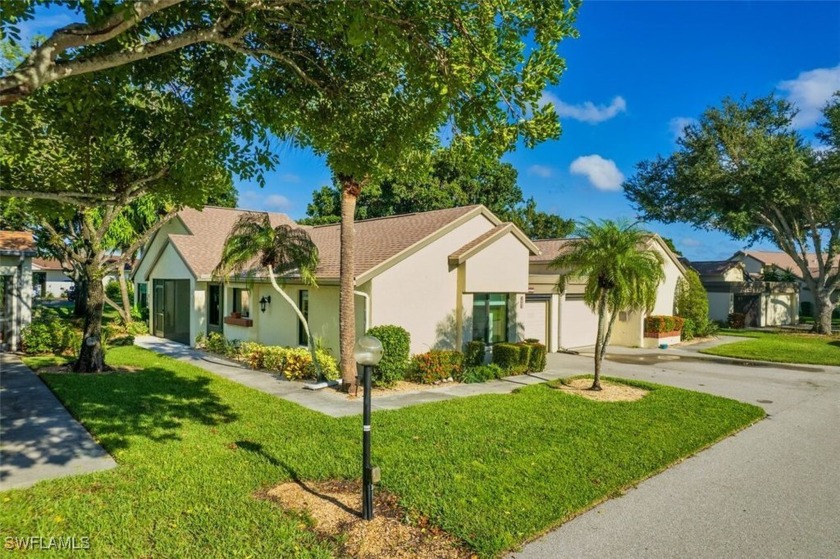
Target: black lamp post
{"x":368,"y":352}
{"x":264,"y":300}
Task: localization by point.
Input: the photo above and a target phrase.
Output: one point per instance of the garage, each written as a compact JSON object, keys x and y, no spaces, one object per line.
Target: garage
{"x":534,"y":317}
{"x":578,"y":324}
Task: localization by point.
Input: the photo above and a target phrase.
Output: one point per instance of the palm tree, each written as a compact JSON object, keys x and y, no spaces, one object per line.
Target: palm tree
{"x":622,"y":274}
{"x":254,"y":245}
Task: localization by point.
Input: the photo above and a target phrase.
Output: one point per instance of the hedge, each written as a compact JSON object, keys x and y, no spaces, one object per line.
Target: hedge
{"x":661,"y":324}
{"x":506,"y":355}
{"x":435,"y":366}
{"x":396,"y":343}
{"x":474,"y":354}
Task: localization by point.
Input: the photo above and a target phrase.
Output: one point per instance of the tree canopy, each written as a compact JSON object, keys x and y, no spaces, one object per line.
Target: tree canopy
{"x":450,"y":181}
{"x":744,"y":170}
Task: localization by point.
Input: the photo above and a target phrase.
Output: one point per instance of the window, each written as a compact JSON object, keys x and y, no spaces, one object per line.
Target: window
{"x":490,"y":317}
{"x":303,"y":305}
{"x":242,"y":302}
{"x":142,"y":296}
{"x":215,"y":305}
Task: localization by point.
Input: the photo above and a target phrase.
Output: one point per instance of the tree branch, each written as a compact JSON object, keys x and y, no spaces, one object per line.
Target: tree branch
{"x":82,"y":199}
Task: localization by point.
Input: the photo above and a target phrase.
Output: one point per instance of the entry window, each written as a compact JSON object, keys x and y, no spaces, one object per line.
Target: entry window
{"x":215,"y":305}
{"x":142,"y":296}
{"x":242,"y":302}
{"x":303,"y":305}
{"x":490,"y":317}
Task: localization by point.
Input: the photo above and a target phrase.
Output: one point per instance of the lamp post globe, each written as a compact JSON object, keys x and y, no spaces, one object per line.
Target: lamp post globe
{"x":368,"y":351}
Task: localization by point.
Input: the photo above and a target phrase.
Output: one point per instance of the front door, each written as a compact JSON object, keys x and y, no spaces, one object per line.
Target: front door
{"x":172,"y":310}
{"x":750,"y":307}
{"x":214,"y":308}
{"x":158,"y":308}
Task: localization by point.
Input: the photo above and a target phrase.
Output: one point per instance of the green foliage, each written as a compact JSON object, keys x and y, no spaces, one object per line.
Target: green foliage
{"x":659,"y":324}
{"x":396,"y":344}
{"x":692,"y":302}
{"x":782,"y":347}
{"x":537,"y":360}
{"x":737,"y":320}
{"x":435,"y":366}
{"x":474,"y":353}
{"x":49,"y":334}
{"x":481,"y":373}
{"x":173,"y":428}
{"x":507,"y":356}
{"x":112,"y":290}
{"x":294,"y":363}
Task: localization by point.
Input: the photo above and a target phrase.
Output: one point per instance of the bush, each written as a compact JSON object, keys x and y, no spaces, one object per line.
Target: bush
{"x":298,"y":364}
{"x":253,"y":354}
{"x":329,"y":366}
{"x":48,"y":334}
{"x":273,"y":358}
{"x":482,"y":373}
{"x":692,"y":301}
{"x":737,"y":320}
{"x":396,"y":344}
{"x":506,"y":355}
{"x":112,"y":290}
{"x":136,"y":328}
{"x":474,"y":354}
{"x":707,"y":328}
{"x":663,"y":324}
{"x":537,"y":360}
{"x":216,"y":343}
{"x":689,"y":330}
{"x":435,"y":366}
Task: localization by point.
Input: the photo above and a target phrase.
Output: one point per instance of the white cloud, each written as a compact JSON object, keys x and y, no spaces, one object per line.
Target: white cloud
{"x":690,"y":242}
{"x":254,"y":200}
{"x":586,"y":111}
{"x":290,"y":177}
{"x":809,"y":93}
{"x":677,"y":125}
{"x":542,"y":171}
{"x":602,"y":173}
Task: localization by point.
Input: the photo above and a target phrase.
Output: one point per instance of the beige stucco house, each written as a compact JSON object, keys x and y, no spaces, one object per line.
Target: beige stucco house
{"x":564,"y":320}
{"x":16,"y":251}
{"x":446,"y":276}
{"x":732,"y":287}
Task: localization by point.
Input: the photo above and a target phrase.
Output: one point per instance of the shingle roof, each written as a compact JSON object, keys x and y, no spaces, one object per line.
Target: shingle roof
{"x":379,"y":240}
{"x":551,"y":249}
{"x":17,"y":242}
{"x":202,"y":249}
{"x":783,"y":261}
{"x":47,"y":264}
{"x":713,"y":267}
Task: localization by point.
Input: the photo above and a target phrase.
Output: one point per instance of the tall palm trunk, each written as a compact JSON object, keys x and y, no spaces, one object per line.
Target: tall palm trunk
{"x":608,"y":335}
{"x":600,"y":341}
{"x":350,"y":190}
{"x":92,"y":353}
{"x":311,"y":342}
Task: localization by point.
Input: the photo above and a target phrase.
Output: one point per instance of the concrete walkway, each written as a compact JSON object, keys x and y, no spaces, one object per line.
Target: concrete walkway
{"x":39,"y":439}
{"x":329,"y":401}
{"x":772,"y":490}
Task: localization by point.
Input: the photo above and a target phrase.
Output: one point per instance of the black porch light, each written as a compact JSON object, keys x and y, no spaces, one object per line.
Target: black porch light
{"x":264,"y":301}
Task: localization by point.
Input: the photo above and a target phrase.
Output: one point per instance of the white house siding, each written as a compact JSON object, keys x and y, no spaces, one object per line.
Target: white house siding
{"x":421,"y":293}
{"x":720,"y":305}
{"x":18,"y":311}
{"x":578,"y":324}
{"x":57,"y":283}
{"x":666,"y":294}
{"x":535,"y":319}
{"x":780,"y":309}
{"x":629,"y":330}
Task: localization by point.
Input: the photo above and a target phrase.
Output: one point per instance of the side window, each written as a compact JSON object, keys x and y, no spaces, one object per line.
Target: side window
{"x":242,"y":302}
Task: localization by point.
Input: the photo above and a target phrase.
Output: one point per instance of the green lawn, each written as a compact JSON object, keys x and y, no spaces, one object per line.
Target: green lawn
{"x":494,"y":470}
{"x":781,"y":347}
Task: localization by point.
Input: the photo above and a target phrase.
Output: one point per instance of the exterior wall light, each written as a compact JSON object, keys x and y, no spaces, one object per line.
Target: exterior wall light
{"x":264,"y":301}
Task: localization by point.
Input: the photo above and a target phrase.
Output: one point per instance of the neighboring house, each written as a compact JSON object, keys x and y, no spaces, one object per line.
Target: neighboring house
{"x":48,"y":277}
{"x":16,"y":251}
{"x":731,"y":288}
{"x":446,"y":276}
{"x":756,"y":261}
{"x":566,"y":321}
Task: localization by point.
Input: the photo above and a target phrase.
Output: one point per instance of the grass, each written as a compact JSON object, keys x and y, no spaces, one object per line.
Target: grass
{"x":494,"y":470}
{"x":781,"y":347}
{"x":835,"y":322}
{"x":36,"y":362}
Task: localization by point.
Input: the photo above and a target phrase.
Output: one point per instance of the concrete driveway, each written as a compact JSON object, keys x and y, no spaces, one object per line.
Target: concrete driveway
{"x":39,"y":439}
{"x":772,"y":490}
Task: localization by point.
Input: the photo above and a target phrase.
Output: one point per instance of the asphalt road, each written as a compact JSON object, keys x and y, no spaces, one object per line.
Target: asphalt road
{"x":772,"y":490}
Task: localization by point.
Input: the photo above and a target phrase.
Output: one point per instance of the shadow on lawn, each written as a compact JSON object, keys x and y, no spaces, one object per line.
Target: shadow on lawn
{"x":154,"y":404}
{"x":257,"y":448}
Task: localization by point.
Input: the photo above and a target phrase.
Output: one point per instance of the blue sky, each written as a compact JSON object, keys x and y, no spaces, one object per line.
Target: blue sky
{"x":638,"y":71}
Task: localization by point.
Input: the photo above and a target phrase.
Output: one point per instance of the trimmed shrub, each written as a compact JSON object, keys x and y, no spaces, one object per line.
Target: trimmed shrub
{"x":435,"y":366}
{"x":298,"y":364}
{"x":395,"y":354}
{"x":482,"y":373}
{"x":216,"y":343}
{"x":525,"y":355}
{"x":506,"y":355}
{"x":112,"y":290}
{"x":691,"y":303}
{"x":474,"y":354}
{"x":51,"y":335}
{"x":329,"y":366}
{"x":253,"y":354}
{"x":273,"y":358}
{"x":737,"y":320}
{"x":537,"y":360}
{"x":658,"y":324}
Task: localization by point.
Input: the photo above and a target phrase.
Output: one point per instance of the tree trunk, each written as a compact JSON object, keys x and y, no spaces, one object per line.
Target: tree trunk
{"x":126,"y":303}
{"x":311,"y":342}
{"x":822,"y":314}
{"x":92,"y":353}
{"x":80,"y":303}
{"x":600,"y":341}
{"x":350,"y":190}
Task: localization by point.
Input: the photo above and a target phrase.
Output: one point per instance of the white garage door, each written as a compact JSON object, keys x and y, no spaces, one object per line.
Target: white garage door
{"x":535,"y":319}
{"x":578,"y":324}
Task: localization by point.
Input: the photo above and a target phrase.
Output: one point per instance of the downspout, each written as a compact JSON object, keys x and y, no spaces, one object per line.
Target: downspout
{"x":367,"y":307}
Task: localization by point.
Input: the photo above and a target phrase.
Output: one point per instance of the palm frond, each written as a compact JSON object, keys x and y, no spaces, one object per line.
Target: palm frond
{"x":249,"y":240}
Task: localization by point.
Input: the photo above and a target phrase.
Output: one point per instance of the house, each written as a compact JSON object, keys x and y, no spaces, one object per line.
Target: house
{"x":731,"y":288}
{"x":446,"y":276}
{"x":16,"y":251}
{"x":566,"y":321}
{"x":49,"y":279}
{"x":757,"y":261}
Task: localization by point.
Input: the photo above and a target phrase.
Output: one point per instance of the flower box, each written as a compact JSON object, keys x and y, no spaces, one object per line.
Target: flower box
{"x":239,"y":321}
